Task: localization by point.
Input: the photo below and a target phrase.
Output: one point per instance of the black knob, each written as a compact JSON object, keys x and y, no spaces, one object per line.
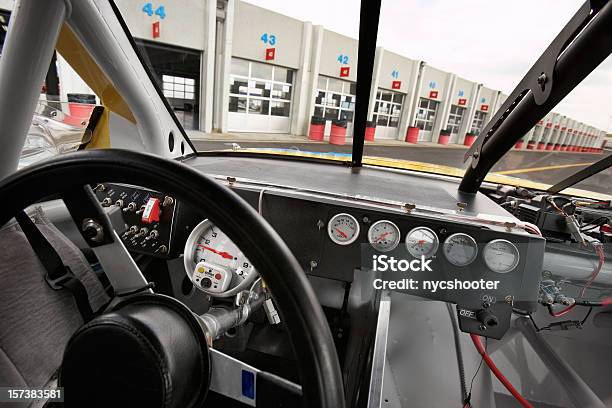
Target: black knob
{"x":487,"y":318}
{"x":206,"y":283}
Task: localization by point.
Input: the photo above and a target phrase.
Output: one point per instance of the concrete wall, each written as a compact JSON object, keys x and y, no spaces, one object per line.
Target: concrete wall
{"x":257,"y":29}
{"x":184,"y":24}
{"x":334,"y":47}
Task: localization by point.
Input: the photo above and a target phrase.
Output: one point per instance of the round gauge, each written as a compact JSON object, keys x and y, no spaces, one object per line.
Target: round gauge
{"x":214,"y":263}
{"x":460,"y":249}
{"x":501,"y":256}
{"x":343,"y":229}
{"x":384,"y":235}
{"x":422,"y":241}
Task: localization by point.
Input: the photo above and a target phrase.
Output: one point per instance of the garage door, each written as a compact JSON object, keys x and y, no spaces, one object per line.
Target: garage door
{"x":426,"y":118}
{"x":387,"y":112}
{"x":259,"y":97}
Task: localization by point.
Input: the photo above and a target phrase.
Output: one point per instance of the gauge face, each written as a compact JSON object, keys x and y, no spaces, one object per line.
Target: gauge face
{"x":422,"y":241}
{"x":460,"y":249}
{"x":501,"y":256}
{"x":209,"y":249}
{"x":343,"y":229}
{"x":384,"y":236}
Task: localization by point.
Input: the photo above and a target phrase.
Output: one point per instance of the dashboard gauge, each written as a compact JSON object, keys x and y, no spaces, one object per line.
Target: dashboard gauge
{"x":422,"y":241}
{"x":460,"y":249}
{"x":343,"y":229}
{"x":384,"y":236}
{"x":501,"y":256}
{"x":214,"y":263}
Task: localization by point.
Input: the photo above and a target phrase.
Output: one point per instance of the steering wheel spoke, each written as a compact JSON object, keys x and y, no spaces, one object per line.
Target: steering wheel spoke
{"x":237,"y":380}
{"x":101,"y":227}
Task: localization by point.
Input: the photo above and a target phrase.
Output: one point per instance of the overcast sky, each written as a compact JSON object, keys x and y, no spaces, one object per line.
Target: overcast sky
{"x":493,"y":42}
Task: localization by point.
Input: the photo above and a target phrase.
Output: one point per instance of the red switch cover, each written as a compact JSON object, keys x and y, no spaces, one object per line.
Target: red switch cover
{"x":151,"y":211}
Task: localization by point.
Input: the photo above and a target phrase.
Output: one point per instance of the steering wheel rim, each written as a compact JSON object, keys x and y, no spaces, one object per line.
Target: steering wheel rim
{"x":309,"y":333}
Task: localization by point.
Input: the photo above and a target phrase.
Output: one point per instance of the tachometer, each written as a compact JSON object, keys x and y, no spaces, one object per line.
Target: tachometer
{"x":422,"y":241}
{"x":343,"y":229}
{"x":501,"y":256}
{"x":384,"y":236}
{"x":460,"y":249}
{"x":214,"y":263}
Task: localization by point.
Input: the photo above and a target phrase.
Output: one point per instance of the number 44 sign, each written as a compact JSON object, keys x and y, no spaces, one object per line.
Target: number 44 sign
{"x":149,"y":10}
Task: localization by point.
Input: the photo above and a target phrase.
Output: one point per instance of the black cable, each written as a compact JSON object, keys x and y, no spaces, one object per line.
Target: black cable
{"x":459,"y":353}
{"x":586,"y":316}
{"x":467,"y":402}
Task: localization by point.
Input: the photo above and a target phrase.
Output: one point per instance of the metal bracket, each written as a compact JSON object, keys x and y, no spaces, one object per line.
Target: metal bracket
{"x":540,"y":78}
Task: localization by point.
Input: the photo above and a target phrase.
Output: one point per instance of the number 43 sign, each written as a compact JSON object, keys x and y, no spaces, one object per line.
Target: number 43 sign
{"x":159,"y":11}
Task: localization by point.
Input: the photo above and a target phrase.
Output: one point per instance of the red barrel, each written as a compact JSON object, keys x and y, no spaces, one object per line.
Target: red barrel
{"x":317,"y":129}
{"x":370,"y":130}
{"x":563,"y":148}
{"x":541,"y":145}
{"x":412,"y":135}
{"x":337,"y":135}
{"x":444,"y":137}
{"x":518,"y":145}
{"x":469,"y":139}
{"x":549,"y":146}
{"x":530,"y":145}
{"x":79,"y":113}
{"x":557,"y":147}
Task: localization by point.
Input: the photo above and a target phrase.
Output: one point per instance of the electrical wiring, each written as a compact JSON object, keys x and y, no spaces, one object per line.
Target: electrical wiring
{"x":500,"y":376}
{"x":602,"y":258}
{"x":529,"y":227}
{"x":467,"y":401}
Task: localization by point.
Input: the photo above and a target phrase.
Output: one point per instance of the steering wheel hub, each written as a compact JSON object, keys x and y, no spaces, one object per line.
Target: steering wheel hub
{"x":150,"y":351}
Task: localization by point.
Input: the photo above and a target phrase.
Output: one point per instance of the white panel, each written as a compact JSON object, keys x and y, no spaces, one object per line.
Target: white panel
{"x":181,"y":15}
{"x":282,"y":33}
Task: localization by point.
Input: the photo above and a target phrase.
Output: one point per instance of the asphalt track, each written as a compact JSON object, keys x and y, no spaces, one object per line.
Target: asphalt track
{"x":540,"y":166}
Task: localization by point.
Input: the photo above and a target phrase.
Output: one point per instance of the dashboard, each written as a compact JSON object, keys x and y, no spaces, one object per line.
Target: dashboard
{"x":336,"y":222}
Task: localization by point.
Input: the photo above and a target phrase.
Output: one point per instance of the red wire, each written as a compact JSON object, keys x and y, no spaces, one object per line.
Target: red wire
{"x":561,"y":312}
{"x":476,"y":340}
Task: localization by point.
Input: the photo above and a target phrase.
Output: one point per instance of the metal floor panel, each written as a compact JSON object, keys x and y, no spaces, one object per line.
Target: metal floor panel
{"x":422,"y":365}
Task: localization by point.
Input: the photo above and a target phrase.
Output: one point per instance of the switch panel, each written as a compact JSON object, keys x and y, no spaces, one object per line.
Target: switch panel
{"x":148,"y":214}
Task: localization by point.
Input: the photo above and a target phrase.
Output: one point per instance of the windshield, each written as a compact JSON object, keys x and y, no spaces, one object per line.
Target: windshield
{"x":281,"y":77}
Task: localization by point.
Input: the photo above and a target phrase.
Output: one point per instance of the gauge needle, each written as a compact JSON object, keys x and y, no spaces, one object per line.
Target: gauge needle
{"x":222,"y":254}
{"x":382,"y":236}
{"x":341,"y":232}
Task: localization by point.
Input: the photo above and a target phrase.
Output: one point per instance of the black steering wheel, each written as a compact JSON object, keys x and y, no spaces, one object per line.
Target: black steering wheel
{"x":71,"y":174}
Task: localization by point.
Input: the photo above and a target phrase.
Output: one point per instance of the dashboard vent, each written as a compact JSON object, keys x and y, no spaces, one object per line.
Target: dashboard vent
{"x":527,"y":212}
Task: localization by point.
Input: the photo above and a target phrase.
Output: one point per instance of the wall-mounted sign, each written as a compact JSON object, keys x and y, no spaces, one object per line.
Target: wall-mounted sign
{"x":160,"y":11}
{"x":395,"y":74}
{"x":460,"y":93}
{"x":483,"y":100}
{"x":462,"y":102}
{"x":268,"y":38}
{"x":343,"y":59}
{"x":433,"y":94}
{"x":396,"y":84}
{"x":345,"y":71}
{"x":432,"y":85}
{"x":270,"y":54}
{"x":156,"y":29}
{"x":484,"y":108}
